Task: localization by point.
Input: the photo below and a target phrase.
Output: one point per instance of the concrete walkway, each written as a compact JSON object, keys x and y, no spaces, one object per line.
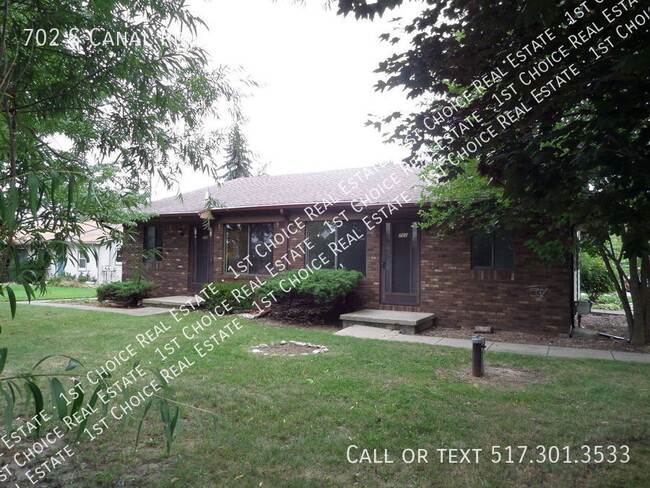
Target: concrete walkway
{"x":597,"y":311}
{"x":135,"y":312}
{"x":365,"y":332}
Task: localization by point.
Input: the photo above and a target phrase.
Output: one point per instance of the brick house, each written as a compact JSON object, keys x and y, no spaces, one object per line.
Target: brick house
{"x":361,"y":219}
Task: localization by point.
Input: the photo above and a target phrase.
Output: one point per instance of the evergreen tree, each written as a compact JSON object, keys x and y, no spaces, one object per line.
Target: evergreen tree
{"x":239,"y":159}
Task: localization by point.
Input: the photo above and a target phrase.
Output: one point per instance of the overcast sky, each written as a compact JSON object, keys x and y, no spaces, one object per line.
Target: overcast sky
{"x":315,"y":69}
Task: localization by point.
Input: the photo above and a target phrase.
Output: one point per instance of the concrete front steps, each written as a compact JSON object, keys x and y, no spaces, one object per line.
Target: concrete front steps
{"x":409,"y":323}
{"x":172,"y":302}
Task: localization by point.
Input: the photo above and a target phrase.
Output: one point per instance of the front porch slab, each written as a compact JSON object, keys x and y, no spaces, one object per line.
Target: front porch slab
{"x":406,"y":322}
{"x":173,"y":302}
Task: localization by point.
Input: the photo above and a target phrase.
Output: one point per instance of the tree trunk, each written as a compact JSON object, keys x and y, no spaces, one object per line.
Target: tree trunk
{"x":638,"y":312}
{"x":639,"y":279}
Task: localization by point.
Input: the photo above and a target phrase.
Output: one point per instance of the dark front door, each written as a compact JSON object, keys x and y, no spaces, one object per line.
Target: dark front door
{"x":400,"y":263}
{"x":200,"y":256}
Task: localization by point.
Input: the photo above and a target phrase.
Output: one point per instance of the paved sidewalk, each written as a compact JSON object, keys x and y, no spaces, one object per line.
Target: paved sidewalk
{"x":597,"y":311}
{"x":365,"y":332}
{"x":135,"y":312}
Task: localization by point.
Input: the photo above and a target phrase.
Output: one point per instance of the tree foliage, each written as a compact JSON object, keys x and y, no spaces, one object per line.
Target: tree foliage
{"x":97,"y":98}
{"x":551,"y":101}
{"x":594,"y":279}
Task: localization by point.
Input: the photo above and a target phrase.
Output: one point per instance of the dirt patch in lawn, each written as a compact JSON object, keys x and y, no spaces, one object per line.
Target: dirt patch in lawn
{"x":288,"y":348}
{"x":502,"y":375}
{"x":609,"y":324}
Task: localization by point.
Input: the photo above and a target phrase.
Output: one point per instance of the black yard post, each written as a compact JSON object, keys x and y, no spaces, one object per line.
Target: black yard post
{"x":478,"y":366}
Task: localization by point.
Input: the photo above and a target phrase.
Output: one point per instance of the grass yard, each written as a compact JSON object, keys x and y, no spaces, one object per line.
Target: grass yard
{"x":54,"y":293}
{"x":288,"y":421}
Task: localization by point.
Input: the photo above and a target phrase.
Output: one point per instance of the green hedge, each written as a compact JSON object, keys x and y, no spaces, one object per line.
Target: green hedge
{"x":324,"y":286}
{"x":318,"y":297}
{"x":127,"y":293}
{"x":217,"y":294}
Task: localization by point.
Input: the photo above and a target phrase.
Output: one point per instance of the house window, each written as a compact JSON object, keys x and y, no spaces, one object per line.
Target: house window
{"x":118,"y":256}
{"x":246,"y":248}
{"x":82,"y":262}
{"x":494,"y":250}
{"x":343,"y":245}
{"x":153,"y":243}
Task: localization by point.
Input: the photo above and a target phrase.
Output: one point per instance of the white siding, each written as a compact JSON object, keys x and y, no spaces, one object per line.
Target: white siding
{"x":104,"y":268}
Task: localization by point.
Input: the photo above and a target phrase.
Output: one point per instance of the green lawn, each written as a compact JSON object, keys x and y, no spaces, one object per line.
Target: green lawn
{"x":53,"y":293}
{"x":287,"y":422}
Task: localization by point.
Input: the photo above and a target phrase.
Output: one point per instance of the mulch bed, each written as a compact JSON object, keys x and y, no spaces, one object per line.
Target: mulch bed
{"x":609,"y":324}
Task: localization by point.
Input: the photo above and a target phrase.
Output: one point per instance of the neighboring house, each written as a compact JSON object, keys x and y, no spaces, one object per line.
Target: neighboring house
{"x":361,"y":218}
{"x":103,"y":263}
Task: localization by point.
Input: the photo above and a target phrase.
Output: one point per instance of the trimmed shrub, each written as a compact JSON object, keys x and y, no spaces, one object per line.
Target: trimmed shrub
{"x":67,"y":280}
{"x":321,"y":285}
{"x":84,"y":277}
{"x":126,"y":293}
{"x":219,"y":294}
{"x":594,"y":280}
{"x":61,"y":280}
{"x":313,"y":295}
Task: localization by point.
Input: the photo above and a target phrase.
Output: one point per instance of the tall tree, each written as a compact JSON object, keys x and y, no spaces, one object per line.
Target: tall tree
{"x":546,"y":102}
{"x":239,"y":159}
{"x":95,"y":97}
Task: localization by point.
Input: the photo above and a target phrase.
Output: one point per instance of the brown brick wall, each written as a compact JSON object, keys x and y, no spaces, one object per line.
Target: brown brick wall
{"x":458,"y":295}
{"x":462,"y":297}
{"x":170,"y":275}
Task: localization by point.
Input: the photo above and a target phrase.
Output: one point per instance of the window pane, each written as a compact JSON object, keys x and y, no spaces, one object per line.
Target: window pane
{"x":319,"y":235}
{"x":354,"y":257}
{"x":159,"y":241}
{"x":481,"y":250}
{"x":153,"y":241}
{"x":503,"y":249}
{"x":150,"y":232}
{"x":260,"y":234}
{"x":236,"y":245}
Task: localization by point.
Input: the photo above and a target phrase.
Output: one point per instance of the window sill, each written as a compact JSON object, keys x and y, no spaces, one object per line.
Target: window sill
{"x":233,"y":275}
{"x":493,"y":274}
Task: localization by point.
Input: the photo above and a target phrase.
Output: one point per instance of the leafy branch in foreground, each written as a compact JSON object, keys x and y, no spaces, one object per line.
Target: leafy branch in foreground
{"x":86,"y":125}
{"x":566,"y":148}
{"x":80,"y":413}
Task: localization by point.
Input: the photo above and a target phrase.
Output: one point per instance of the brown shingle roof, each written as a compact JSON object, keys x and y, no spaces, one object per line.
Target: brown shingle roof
{"x":342,"y":185}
